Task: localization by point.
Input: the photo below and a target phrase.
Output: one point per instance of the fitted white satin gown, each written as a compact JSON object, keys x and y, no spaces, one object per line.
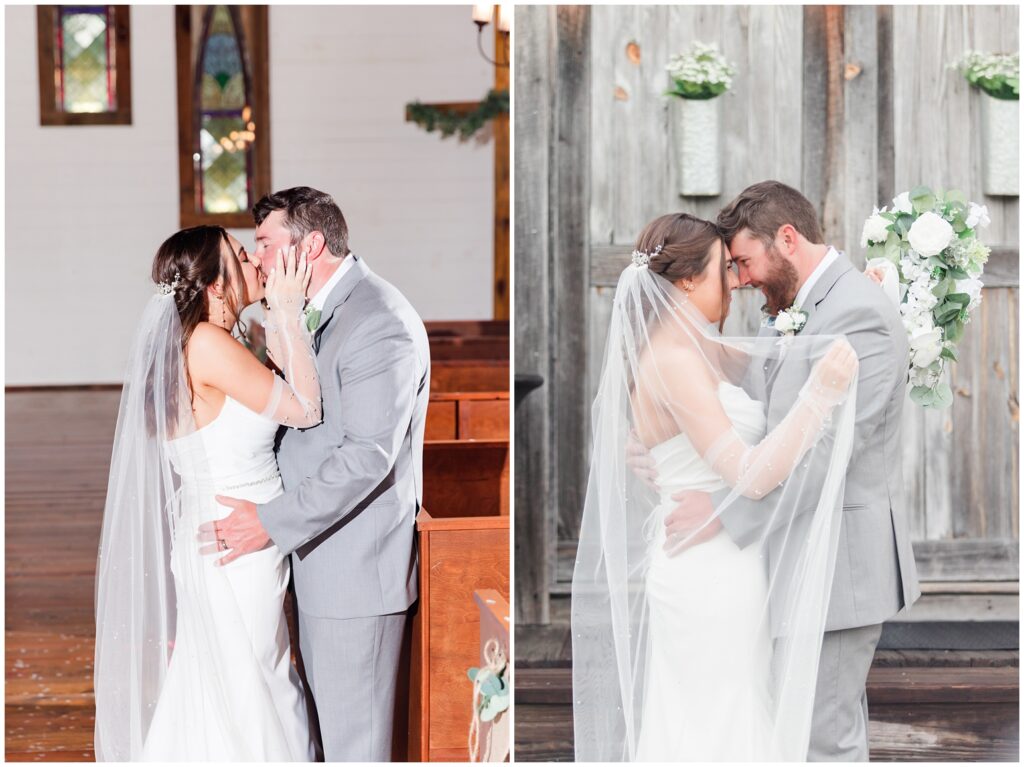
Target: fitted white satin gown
{"x":706,"y":693}
{"x":230,"y":692}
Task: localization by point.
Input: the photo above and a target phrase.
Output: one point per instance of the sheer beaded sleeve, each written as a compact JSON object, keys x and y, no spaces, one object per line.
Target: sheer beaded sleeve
{"x":296,"y":401}
{"x":757,"y":470}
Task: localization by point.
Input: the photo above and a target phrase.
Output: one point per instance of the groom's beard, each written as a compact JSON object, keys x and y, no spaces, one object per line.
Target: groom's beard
{"x":780,"y":287}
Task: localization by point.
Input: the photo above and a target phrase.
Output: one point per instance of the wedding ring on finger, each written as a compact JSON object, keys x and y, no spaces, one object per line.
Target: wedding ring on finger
{"x":222,"y":545}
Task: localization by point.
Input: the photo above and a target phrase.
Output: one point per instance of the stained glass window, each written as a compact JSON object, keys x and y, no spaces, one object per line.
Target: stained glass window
{"x":226,"y":104}
{"x":86,"y":72}
{"x":84,"y":64}
{"x":226,"y":129}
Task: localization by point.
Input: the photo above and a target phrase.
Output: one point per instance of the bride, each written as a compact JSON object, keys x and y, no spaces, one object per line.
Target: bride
{"x":698,"y":649}
{"x":193,"y":659}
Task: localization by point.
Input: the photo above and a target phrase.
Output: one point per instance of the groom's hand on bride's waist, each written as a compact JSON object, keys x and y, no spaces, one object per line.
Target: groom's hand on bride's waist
{"x":238,"y":534}
{"x":639,"y":459}
{"x":690,"y":523}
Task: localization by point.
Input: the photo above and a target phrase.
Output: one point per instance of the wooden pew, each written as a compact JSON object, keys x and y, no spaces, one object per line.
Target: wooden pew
{"x":466,"y":328}
{"x":468,"y":415}
{"x":469,"y":340}
{"x":463,"y":534}
{"x":466,"y":478}
{"x":469,"y":376}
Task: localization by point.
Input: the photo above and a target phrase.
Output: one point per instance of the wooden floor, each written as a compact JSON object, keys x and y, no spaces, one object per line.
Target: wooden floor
{"x":925,"y":705}
{"x":58,"y":454}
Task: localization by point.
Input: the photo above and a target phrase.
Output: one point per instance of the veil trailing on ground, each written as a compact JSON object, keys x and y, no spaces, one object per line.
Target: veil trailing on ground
{"x":715,"y":633}
{"x":143,"y":539}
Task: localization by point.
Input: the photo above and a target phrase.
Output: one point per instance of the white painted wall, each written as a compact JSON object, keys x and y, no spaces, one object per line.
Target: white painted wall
{"x":86,"y":207}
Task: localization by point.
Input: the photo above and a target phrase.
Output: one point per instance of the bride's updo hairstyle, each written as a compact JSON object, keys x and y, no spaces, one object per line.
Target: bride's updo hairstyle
{"x":192,"y":260}
{"x":685,"y":243}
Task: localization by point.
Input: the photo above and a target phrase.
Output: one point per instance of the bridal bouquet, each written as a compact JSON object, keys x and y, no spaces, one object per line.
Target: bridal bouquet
{"x":931,"y":238}
{"x":700,"y":73}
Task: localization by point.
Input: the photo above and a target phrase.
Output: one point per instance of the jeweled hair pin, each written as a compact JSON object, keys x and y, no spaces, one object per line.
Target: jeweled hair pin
{"x":165,"y":289}
{"x":643,"y":258}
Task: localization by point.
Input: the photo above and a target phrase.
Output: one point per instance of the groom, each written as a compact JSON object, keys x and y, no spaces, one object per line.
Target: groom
{"x":353,"y":484}
{"x":775,"y":239}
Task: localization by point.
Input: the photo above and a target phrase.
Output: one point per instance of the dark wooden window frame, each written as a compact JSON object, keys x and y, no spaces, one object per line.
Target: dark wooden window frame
{"x":254,"y":35}
{"x":49,"y":113}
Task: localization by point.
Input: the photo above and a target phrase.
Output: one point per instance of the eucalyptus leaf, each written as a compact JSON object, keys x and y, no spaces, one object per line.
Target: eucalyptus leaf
{"x":960,"y":298}
{"x":922,"y":395}
{"x":949,"y":354}
{"x":943,"y":396}
{"x":922,"y":198}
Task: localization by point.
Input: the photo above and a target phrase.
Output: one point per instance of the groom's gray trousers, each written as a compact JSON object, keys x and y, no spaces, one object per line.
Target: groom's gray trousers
{"x":357,"y":657}
{"x":839,"y":729}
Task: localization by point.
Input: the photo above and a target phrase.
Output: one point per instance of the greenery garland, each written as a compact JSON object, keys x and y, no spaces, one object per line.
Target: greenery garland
{"x":432,"y":118}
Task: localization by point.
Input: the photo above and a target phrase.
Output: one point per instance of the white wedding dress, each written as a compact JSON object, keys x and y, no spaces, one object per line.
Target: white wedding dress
{"x":230,"y":691}
{"x":710,"y":649}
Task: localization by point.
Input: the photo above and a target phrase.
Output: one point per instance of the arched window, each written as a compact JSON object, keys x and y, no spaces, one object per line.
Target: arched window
{"x":222,"y":97}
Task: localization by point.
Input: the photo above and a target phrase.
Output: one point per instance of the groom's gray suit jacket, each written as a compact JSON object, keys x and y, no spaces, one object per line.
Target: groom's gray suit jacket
{"x":875,"y":574}
{"x":354,"y":483}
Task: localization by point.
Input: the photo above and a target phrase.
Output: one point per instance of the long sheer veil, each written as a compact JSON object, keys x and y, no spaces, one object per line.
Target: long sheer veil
{"x":154,"y":495}
{"x":778,"y":490}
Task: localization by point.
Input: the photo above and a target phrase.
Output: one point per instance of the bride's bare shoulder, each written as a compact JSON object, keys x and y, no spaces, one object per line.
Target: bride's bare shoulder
{"x":208,"y":338}
{"x":212,"y":347}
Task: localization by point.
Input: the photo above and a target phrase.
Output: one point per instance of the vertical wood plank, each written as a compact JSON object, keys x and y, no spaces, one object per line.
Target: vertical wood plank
{"x":570,"y":265}
{"x":860,"y":139}
{"x":534,"y":534}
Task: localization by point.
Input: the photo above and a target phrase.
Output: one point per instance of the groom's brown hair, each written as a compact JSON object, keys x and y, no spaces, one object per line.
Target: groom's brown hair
{"x":766,"y":206}
{"x":306,"y":210}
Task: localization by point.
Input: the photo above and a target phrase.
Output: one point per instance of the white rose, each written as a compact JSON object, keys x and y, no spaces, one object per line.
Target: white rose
{"x":973,"y":289}
{"x":930,"y":234}
{"x":902,"y":203}
{"x":784,"y":322}
{"x":874,"y":230}
{"x":977,"y":216}
{"x":925,"y":346}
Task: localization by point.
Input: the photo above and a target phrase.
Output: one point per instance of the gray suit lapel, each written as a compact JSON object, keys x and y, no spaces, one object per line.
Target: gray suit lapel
{"x":819,"y":291}
{"x":339,"y":295}
{"x":825,"y":283}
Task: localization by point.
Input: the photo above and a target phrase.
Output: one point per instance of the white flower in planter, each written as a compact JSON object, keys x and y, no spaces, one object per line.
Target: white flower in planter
{"x":930,"y":234}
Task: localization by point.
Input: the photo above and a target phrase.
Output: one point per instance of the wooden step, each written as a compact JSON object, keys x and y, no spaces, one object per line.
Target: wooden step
{"x":886,"y":685}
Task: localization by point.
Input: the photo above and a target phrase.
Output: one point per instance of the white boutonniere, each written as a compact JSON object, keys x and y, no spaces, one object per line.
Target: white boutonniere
{"x":787,"y":323}
{"x":790,"y":321}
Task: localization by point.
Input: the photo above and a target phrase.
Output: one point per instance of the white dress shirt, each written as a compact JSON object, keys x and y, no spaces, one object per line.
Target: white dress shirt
{"x":819,"y":270}
{"x":318,"y":301}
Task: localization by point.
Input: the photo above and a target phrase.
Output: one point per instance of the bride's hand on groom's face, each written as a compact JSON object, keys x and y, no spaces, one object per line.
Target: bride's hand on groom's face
{"x":688,"y":523}
{"x":288,"y":281}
